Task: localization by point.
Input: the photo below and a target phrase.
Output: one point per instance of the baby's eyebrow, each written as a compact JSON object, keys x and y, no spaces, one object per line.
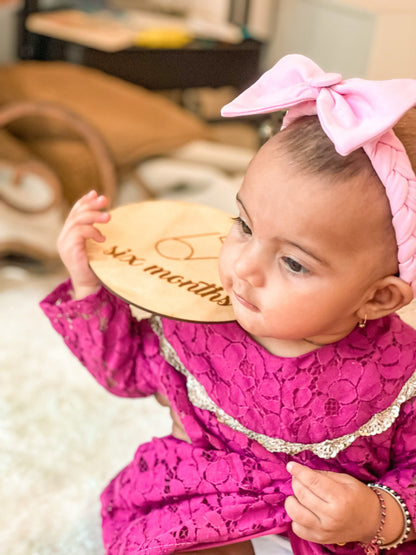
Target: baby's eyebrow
{"x":292,"y":243}
{"x":308,"y":252}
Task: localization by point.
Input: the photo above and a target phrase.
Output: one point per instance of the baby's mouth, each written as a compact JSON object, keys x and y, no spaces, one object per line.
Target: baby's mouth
{"x":245,"y":303}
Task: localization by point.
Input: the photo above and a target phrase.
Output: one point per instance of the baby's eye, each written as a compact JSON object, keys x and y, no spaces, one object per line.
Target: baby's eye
{"x":242,"y":224}
{"x":294,"y":266}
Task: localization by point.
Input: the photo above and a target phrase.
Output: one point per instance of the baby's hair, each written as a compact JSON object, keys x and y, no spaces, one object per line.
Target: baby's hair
{"x":312,"y":152}
{"x":405,"y":130}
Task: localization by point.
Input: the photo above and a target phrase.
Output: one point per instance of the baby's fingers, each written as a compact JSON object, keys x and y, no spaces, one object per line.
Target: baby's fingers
{"x":87,"y":210}
{"x":86,"y":217}
{"x":78,"y":232}
{"x":79,"y":227}
{"x":91,"y":232}
{"x":301,"y":515}
{"x":90,"y":201}
{"x":91,"y":196}
{"x":317,"y":483}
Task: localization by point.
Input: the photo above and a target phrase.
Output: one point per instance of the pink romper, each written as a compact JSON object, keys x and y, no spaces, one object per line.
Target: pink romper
{"x":347,"y":407}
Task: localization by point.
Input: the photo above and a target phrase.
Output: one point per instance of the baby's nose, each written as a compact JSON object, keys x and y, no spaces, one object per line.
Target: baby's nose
{"x":250,"y":267}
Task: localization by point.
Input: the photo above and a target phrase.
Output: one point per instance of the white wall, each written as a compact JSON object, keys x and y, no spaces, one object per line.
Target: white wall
{"x":8,"y":31}
{"x":374,"y":39}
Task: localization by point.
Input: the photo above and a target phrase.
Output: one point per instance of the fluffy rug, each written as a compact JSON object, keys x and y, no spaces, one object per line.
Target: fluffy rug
{"x":62,"y":437}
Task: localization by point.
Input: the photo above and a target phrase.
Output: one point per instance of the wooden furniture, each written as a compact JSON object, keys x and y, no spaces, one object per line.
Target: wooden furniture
{"x":201,"y":64}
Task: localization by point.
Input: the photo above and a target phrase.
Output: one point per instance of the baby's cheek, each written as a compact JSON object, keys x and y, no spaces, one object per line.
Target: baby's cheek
{"x":224,"y":278}
{"x":224,"y":266}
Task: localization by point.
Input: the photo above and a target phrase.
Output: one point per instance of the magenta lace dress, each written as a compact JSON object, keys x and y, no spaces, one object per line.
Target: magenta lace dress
{"x":347,"y":407}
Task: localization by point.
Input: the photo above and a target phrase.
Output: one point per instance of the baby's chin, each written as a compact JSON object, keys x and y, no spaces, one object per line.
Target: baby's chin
{"x":248,"y":321}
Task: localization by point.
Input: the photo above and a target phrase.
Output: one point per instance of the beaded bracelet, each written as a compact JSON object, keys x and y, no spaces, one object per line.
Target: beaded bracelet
{"x":407,"y":522}
{"x":373,"y":547}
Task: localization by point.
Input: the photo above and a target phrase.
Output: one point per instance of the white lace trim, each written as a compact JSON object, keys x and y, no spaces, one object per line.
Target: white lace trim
{"x":327,"y":449}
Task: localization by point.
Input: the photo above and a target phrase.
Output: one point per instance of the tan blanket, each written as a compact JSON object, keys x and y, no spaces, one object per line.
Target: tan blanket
{"x":84,"y":130}
{"x":133,"y":122}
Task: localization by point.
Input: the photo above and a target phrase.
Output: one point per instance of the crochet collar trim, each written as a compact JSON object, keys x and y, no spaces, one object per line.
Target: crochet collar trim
{"x":198,"y":396}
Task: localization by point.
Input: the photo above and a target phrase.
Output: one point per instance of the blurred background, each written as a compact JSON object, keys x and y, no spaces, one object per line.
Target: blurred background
{"x":124,"y":96}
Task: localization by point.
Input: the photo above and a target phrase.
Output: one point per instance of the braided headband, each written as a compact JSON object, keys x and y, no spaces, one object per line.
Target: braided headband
{"x":353,"y":113}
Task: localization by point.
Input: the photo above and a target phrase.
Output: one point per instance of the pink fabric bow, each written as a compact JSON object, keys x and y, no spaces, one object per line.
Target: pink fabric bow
{"x":353,"y":113}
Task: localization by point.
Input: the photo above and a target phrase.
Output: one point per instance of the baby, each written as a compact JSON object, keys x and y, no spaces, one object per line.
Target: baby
{"x":301,"y":415}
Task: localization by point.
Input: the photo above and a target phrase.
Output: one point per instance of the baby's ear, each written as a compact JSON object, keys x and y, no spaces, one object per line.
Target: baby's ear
{"x":387,"y":296}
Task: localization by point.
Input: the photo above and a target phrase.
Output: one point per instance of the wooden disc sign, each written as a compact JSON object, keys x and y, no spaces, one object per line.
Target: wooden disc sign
{"x":162,"y":256}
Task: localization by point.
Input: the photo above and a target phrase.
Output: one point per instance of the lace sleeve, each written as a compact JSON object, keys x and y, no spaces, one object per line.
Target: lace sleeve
{"x":120,"y":352}
{"x":402,"y":476}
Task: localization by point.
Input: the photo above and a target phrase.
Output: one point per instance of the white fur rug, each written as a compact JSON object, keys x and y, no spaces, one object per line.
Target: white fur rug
{"x":62,"y":437}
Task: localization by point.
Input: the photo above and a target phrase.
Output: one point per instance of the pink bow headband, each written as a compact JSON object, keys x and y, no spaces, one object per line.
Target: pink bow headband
{"x":353,"y":113}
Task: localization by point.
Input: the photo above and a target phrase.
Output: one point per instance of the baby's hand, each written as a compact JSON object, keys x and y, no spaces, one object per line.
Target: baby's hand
{"x":328,"y":507}
{"x":78,"y":227}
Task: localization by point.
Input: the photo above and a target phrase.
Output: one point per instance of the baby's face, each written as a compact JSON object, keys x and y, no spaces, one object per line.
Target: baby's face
{"x":302,"y":254}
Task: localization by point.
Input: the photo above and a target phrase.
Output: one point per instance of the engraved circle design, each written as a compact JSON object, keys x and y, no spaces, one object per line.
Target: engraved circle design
{"x":162,"y":256}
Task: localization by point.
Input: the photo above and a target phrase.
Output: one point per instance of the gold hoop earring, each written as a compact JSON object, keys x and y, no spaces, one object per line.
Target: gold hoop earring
{"x":362,"y":323}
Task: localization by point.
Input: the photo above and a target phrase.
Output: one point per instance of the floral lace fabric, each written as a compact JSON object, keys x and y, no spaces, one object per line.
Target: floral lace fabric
{"x":226,"y":486}
{"x":377,"y":423}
